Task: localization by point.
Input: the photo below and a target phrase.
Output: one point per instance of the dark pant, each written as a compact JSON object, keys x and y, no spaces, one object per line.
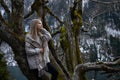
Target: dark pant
{"x":51,"y":69}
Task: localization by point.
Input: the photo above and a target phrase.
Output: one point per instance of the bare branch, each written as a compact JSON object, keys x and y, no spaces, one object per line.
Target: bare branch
{"x":52,"y":14}
{"x":98,"y":66}
{"x":29,"y":14}
{"x":6,"y":33}
{"x":105,"y":2}
{"x":100,"y":13}
{"x":53,"y":51}
{"x":3,"y":21}
{"x":57,"y":32}
{"x":113,"y":63}
{"x":4,"y":6}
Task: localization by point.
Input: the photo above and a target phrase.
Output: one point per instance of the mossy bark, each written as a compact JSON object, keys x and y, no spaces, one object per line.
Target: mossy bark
{"x":4,"y":73}
{"x":66,"y":46}
{"x":76,"y":16}
{"x":16,"y":17}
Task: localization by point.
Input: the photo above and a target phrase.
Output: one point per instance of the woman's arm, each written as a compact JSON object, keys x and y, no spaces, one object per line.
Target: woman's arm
{"x":46,"y":34}
{"x":30,"y":50}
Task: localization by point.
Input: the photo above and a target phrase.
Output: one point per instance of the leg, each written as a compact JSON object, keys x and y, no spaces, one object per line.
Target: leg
{"x":36,"y":73}
{"x":53,"y":71}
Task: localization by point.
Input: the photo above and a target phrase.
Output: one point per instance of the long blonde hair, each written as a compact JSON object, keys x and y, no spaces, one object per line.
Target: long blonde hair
{"x":33,"y":28}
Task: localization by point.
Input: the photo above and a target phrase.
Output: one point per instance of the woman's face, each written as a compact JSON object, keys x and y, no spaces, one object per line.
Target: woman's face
{"x":39,"y":25}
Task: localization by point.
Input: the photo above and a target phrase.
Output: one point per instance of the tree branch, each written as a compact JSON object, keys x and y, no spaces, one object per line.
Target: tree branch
{"x":52,"y":14}
{"x":2,"y":21}
{"x":18,"y":49}
{"x":53,"y":51}
{"x":5,"y":28}
{"x":35,"y":6}
{"x":117,"y":62}
{"x":100,"y":13}
{"x":5,"y":6}
{"x":29,"y":14}
{"x":98,"y":66}
{"x":57,"y":32}
{"x":94,"y":16}
{"x":114,"y":2}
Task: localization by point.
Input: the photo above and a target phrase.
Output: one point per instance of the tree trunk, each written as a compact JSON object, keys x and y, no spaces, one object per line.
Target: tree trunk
{"x":13,"y":34}
{"x":66,"y":46}
{"x":76,"y":16}
{"x":17,"y":16}
{"x":19,"y":51}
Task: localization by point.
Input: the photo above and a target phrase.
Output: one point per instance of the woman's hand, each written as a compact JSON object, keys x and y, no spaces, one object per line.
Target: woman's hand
{"x":41,"y":50}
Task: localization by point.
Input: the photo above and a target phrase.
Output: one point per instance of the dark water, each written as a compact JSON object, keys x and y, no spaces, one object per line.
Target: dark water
{"x":91,"y":75}
{"x":16,"y":74}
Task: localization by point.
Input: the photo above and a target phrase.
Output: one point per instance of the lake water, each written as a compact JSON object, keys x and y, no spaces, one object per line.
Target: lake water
{"x":15,"y":73}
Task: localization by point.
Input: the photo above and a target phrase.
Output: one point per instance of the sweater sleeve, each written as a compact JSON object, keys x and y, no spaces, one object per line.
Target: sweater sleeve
{"x":46,"y":34}
{"x":31,"y":50}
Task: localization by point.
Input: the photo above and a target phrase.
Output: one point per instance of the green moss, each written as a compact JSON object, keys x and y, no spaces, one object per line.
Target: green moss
{"x":63,"y":33}
{"x":4,"y":74}
{"x":64,"y":38}
{"x":77,"y":22}
{"x":66,"y":46}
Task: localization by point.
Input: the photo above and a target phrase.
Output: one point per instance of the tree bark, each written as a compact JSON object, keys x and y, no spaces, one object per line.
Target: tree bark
{"x":19,"y":51}
{"x":17,"y":16}
{"x":97,"y":66}
{"x":13,"y":34}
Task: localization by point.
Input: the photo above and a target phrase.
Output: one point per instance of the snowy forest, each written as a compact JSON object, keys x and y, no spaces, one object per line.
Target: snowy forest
{"x":85,"y":41}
